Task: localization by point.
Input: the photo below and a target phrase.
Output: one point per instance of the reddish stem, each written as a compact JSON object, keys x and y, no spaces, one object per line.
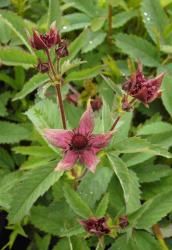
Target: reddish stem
{"x":59,"y":98}
{"x":115,"y":123}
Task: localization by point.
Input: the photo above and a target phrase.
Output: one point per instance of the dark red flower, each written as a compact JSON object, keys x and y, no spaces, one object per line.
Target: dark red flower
{"x":123,"y":221}
{"x":62,"y":50}
{"x":96,"y":226}
{"x":141,"y":88}
{"x":43,"y":67}
{"x":96,"y":103}
{"x":45,"y":41}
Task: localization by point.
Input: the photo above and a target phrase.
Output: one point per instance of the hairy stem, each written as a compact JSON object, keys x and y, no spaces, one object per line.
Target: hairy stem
{"x":110,"y":24}
{"x":157,"y":231}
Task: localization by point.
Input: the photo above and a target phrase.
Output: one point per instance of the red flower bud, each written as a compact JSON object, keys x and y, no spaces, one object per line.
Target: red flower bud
{"x":123,"y":221}
{"x":96,"y":226}
{"x":126,"y":106}
{"x":96,"y":103}
{"x":43,"y":67}
{"x":141,"y":88}
{"x":62,"y":50}
{"x":45,"y":41}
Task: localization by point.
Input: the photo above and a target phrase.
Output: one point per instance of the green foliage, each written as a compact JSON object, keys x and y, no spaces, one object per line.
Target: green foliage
{"x":12,"y":132}
{"x":32,"y":185}
{"x":138,"y":48}
{"x":129,"y":183}
{"x":76,"y":202}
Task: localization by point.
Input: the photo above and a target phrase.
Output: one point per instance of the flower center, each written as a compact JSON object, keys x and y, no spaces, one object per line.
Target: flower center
{"x":79,"y":142}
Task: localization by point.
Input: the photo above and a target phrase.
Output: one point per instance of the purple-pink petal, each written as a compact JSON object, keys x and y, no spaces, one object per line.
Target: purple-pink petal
{"x":90,"y":159}
{"x":68,"y":161}
{"x":100,"y":141}
{"x":58,"y":137}
{"x":86,"y":123}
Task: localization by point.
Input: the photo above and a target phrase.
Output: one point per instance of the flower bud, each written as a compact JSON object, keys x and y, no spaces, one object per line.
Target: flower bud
{"x":43,"y":67}
{"x":123,"y":222}
{"x":96,"y":103}
{"x":62,"y":50}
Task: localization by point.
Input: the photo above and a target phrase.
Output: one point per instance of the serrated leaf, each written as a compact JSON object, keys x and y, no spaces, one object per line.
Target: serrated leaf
{"x":129,"y":183}
{"x":93,"y":40}
{"x":140,"y":241}
{"x":149,"y":172}
{"x":76,"y":203}
{"x":33,"y":83}
{"x":167,"y":93}
{"x":42,"y":243}
{"x":87,"y":7}
{"x":102,"y":206}
{"x":122,"y":18}
{"x":149,"y":129}
{"x":17,"y":25}
{"x":138,"y":48}
{"x":67,"y":65}
{"x":4,"y":97}
{"x":77,"y":44}
{"x":152,"y":210}
{"x":154,"y":18}
{"x":14,"y":56}
{"x":84,"y":74}
{"x":38,"y":151}
{"x":56,"y":219}
{"x":74,"y":21}
{"x":136,"y":144}
{"x":33,"y":184}
{"x":91,"y":188}
{"x":12,"y":132}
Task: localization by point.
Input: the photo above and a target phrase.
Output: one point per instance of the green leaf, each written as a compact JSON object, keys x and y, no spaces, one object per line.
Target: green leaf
{"x":17,"y":25}
{"x":77,"y":44}
{"x":128,"y":181}
{"x":54,"y":12}
{"x":122,"y":18}
{"x":74,"y":21}
{"x":42,"y":243}
{"x":38,"y":151}
{"x":88,"y":7}
{"x":167,"y":93}
{"x":140,"y":241}
{"x":33,"y":184}
{"x":12,"y":132}
{"x":67,"y":65}
{"x":149,"y":173}
{"x":33,"y":83}
{"x":7,"y":183}
{"x":149,"y":129}
{"x":61,"y":219}
{"x":93,"y":40}
{"x":154,"y":18}
{"x":84,"y":74}
{"x":164,"y":3}
{"x":6,"y":161}
{"x":76,"y":203}
{"x":136,"y":144}
{"x":102,"y":206}
{"x":73,"y":243}
{"x":152,"y":210}
{"x":138,"y":48}
{"x":91,"y":188}
{"x":14,"y":56}
{"x":4,"y":97}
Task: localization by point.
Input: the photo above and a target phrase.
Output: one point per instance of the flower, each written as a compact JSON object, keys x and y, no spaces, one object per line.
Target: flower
{"x":96,"y":226}
{"x":62,"y":50}
{"x":96,"y":103}
{"x":141,"y":88}
{"x":79,"y":144}
{"x":45,"y":41}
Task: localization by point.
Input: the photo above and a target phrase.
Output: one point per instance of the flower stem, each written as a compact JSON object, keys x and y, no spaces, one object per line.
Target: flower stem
{"x":115,"y":123}
{"x":157,"y":231}
{"x":57,"y":89}
{"x":60,"y":101}
{"x":110,"y":24}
